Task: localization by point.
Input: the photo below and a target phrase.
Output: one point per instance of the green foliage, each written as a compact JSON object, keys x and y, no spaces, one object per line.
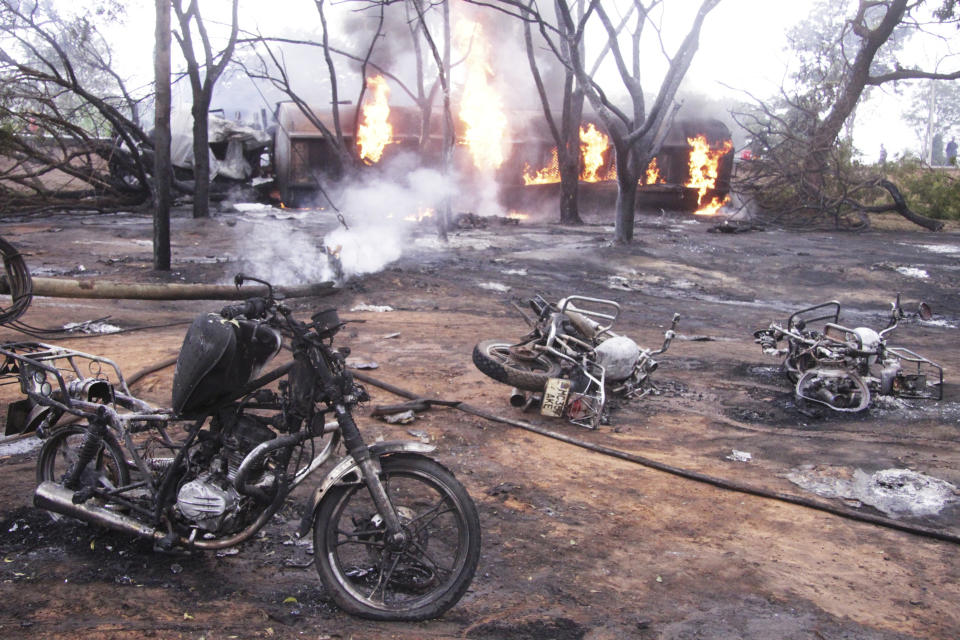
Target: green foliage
{"x":932,"y":192}
{"x":6,"y":135}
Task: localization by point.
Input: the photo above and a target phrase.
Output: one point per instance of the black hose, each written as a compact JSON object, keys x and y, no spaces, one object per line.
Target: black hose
{"x":19,"y":282}
{"x":683,"y":473}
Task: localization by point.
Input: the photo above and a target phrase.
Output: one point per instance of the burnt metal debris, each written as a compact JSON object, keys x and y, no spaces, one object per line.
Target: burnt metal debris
{"x":844,"y":368}
{"x":571,"y":361}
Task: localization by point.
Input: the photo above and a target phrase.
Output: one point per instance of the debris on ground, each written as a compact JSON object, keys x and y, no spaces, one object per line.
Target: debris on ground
{"x":382,"y":308}
{"x":405,"y":417}
{"x":91,"y":326}
{"x":895,"y":492}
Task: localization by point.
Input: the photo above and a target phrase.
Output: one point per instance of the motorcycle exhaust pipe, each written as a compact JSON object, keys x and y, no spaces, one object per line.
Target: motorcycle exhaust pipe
{"x":56,"y":498}
{"x":518,"y":398}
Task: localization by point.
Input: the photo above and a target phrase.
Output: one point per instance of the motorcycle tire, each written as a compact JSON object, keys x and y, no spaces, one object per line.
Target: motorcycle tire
{"x":429,"y":574}
{"x":494,"y":359}
{"x":836,"y":389}
{"x":107,"y":470}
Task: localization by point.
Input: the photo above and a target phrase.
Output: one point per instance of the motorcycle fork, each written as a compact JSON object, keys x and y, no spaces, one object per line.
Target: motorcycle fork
{"x":370,"y":470}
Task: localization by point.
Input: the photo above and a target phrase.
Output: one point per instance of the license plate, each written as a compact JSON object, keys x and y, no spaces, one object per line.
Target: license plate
{"x":555,"y":397}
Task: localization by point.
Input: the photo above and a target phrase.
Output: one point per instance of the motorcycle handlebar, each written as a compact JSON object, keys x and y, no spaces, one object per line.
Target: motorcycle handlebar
{"x":250,"y":308}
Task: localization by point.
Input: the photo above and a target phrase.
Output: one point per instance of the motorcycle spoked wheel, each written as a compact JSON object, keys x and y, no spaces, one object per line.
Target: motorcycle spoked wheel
{"x":425,"y":577}
{"x":834,"y":388}
{"x":107,"y":470}
{"x":510,"y":365}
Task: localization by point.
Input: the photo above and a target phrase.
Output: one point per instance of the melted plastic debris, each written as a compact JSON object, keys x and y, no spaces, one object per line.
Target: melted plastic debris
{"x":91,"y":327}
{"x":19,"y":445}
{"x":913,"y":272}
{"x":941,"y":248}
{"x":383,"y":308}
{"x":494,"y":286}
{"x":244,"y":207}
{"x":895,"y":492}
{"x":938,"y":323}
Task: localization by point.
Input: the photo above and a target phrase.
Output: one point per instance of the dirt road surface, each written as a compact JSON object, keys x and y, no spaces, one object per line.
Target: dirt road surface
{"x":575,"y":544}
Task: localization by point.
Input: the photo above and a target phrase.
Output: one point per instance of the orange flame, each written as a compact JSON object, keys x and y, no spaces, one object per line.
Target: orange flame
{"x":712,"y":207}
{"x":482,"y":109}
{"x":653,"y":173}
{"x":516,"y":215}
{"x":375,"y":132}
{"x":592,"y":145}
{"x":704,"y":167}
{"x":419,"y":215}
{"x":548,"y":175}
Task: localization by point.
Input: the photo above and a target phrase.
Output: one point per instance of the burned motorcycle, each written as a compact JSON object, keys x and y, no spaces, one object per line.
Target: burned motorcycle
{"x":571,"y":360}
{"x":396,"y":536}
{"x":843,"y":368}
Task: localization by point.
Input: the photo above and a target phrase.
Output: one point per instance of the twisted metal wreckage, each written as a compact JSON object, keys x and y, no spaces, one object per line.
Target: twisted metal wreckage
{"x":352,"y":589}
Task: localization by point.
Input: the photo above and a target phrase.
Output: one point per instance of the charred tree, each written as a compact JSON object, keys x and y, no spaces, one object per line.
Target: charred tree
{"x":565,"y":133}
{"x":801,"y":173}
{"x":636,"y":131}
{"x":69,"y":128}
{"x":203,"y":78}
{"x":163,"y":169}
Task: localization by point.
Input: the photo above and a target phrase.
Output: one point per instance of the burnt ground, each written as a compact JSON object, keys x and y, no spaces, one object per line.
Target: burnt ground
{"x":576,"y":544}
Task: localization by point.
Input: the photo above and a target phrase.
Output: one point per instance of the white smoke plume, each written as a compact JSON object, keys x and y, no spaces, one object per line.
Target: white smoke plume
{"x":381,"y":214}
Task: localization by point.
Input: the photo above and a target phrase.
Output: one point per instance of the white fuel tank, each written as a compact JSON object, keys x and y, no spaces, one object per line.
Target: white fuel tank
{"x":618,"y":355}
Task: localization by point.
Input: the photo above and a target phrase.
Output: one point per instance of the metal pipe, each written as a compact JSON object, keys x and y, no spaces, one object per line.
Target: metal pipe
{"x":65,"y":288}
{"x":54,"y":497}
{"x":721,"y":483}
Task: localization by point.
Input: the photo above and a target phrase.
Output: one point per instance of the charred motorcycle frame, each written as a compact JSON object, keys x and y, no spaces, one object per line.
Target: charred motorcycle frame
{"x":571,"y":361}
{"x":842,"y":368}
{"x":396,"y":536}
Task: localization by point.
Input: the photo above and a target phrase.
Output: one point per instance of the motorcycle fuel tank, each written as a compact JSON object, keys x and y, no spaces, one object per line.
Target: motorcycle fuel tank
{"x":618,"y":355}
{"x":218,"y":358}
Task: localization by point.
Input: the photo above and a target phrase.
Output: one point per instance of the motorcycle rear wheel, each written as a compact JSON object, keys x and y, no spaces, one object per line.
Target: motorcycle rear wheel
{"x":495,"y":359}
{"x":425,"y":577}
{"x":107,"y":470}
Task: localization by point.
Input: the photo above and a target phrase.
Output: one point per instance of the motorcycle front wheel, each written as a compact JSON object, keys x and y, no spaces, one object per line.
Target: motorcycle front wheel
{"x":518,"y":368}
{"x":422,"y":578}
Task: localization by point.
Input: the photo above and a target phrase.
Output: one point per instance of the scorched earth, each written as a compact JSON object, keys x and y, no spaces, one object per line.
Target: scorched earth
{"x":576,"y":544}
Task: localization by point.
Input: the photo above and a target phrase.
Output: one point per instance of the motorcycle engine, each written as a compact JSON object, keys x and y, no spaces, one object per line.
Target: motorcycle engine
{"x":209,"y":501}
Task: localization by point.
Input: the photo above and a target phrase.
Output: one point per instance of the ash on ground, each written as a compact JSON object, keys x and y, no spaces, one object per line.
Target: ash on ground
{"x":895,"y":492}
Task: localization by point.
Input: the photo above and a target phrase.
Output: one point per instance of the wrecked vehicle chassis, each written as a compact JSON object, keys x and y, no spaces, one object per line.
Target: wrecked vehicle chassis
{"x":397,"y":536}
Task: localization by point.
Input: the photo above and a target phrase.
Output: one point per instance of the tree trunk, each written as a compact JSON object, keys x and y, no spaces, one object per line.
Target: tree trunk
{"x":161,"y":139}
{"x":626,"y":195}
{"x":201,"y":160}
{"x":569,"y":165}
{"x":568,"y":156}
{"x":825,"y":136}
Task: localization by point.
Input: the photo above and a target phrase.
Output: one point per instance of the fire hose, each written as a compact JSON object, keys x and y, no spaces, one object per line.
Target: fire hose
{"x":696,"y":476}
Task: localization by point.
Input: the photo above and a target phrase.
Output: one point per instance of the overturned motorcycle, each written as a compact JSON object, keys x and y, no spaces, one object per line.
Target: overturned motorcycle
{"x":396,"y":536}
{"x":843,"y":368}
{"x":571,"y":361}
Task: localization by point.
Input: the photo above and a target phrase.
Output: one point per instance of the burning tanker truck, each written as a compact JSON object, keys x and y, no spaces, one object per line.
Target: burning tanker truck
{"x":691,"y":172}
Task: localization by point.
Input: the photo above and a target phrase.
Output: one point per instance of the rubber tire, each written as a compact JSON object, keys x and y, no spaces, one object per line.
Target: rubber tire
{"x":340,"y":497}
{"x":51,"y":444}
{"x":512,"y":373}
